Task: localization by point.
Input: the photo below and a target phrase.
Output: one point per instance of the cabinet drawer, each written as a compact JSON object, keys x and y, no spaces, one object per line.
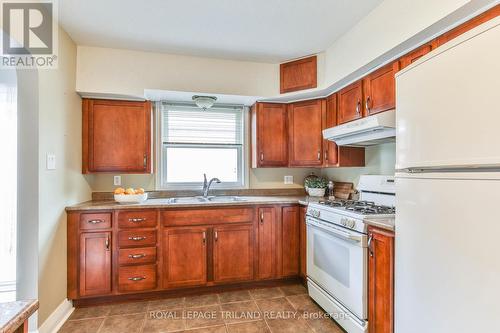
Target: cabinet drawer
{"x":135,"y":278}
{"x":206,"y":216}
{"x":141,"y":255}
{"x":136,"y":238}
{"x":137,"y":219}
{"x":93,"y":221}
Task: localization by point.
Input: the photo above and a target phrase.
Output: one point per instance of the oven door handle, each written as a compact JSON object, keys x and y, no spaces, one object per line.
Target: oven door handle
{"x":334,"y":231}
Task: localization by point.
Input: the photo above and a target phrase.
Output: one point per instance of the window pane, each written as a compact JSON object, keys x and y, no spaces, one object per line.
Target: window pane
{"x":184,"y":124}
{"x":187,"y":164}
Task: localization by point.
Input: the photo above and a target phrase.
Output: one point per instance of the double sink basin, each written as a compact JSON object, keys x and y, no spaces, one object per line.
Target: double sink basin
{"x":214,"y":199}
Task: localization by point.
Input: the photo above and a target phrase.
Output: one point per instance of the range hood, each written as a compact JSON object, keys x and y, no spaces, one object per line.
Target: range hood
{"x":369,"y":131}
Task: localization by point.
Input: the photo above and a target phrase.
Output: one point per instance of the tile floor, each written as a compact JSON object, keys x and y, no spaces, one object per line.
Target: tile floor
{"x":276,"y":310}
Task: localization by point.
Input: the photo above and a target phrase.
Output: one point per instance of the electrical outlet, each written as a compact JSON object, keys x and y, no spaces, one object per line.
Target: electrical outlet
{"x":117,"y":180}
{"x":51,"y":161}
{"x":288,"y":180}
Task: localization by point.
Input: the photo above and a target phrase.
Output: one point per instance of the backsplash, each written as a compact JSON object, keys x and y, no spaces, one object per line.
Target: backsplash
{"x":265,"y":178}
{"x":380,"y":159}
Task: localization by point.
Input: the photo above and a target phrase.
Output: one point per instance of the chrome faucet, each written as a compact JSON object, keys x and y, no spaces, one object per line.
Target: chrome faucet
{"x":206,"y":185}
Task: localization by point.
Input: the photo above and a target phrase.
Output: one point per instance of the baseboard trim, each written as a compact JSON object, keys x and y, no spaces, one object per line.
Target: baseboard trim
{"x":57,"y":318}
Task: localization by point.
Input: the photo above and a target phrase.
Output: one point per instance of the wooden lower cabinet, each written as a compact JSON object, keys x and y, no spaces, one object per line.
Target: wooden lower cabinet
{"x":95,"y":263}
{"x":302,"y":242}
{"x":290,"y":241}
{"x":233,"y":253}
{"x":184,"y":256}
{"x":184,"y":248}
{"x":266,"y":243}
{"x":381,"y":281}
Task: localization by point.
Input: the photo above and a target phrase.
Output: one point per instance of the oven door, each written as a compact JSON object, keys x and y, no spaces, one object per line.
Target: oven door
{"x":337,"y":260}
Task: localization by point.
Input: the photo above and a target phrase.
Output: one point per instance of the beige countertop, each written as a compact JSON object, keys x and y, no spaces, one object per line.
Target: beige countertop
{"x":386,"y":223}
{"x":165,"y":203}
{"x":13,"y":314}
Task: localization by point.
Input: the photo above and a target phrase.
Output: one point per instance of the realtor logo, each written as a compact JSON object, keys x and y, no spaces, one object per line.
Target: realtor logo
{"x":29,"y":34}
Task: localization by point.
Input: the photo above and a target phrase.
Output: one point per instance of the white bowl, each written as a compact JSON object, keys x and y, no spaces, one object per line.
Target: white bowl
{"x":316,"y":192}
{"x":131,"y":198}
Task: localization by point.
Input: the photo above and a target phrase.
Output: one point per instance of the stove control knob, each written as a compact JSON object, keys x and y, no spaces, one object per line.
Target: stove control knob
{"x":351,"y":224}
{"x":343,"y":221}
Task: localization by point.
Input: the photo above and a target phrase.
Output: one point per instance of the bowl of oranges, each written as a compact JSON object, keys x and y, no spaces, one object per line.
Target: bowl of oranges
{"x":130,"y":195}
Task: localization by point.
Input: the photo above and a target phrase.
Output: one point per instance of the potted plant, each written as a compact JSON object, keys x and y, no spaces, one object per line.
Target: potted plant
{"x":316,"y":186}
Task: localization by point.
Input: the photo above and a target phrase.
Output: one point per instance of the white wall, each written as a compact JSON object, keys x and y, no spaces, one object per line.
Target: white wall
{"x":59,"y":133}
{"x":126,"y":72}
{"x":380,"y":160}
{"x":390,"y":24}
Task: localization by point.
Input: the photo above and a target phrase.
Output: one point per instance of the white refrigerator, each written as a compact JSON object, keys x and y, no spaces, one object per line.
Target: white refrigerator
{"x":447,"y":269}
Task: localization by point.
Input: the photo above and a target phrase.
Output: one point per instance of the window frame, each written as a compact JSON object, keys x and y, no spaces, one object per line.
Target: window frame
{"x":243,"y":169}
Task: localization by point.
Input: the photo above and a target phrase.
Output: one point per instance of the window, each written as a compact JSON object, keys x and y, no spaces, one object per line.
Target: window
{"x":196,"y":141}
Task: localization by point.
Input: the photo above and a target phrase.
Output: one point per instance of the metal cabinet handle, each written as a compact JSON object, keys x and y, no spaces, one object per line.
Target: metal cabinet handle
{"x":106,"y":243}
{"x":137,"y":219}
{"x":370,"y":250}
{"x":216,"y":236}
{"x":326,"y":155}
{"x":358,"y":107}
{"x":145,"y":161}
{"x":95,"y":221}
{"x":137,"y":238}
{"x":137,"y":256}
{"x":319,"y":155}
{"x":367,"y":104}
{"x":204,"y":237}
{"x":137,"y":278}
{"x":261,"y":157}
{"x":262,"y":218}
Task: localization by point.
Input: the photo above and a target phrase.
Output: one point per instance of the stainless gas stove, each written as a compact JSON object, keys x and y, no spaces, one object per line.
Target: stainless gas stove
{"x":337,"y":250}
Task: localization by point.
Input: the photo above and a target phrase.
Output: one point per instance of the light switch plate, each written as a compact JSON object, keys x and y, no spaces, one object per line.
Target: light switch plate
{"x":117,"y":180}
{"x":288,"y":180}
{"x":51,"y":161}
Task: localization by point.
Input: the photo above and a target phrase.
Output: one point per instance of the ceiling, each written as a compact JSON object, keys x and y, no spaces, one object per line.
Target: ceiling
{"x":255,"y":30}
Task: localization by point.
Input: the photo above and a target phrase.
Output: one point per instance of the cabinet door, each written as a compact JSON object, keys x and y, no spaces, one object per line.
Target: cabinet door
{"x":413,"y":56}
{"x":290,"y":241}
{"x":381,"y":281}
{"x":330,"y":149}
{"x":116,"y":136}
{"x":184,"y":256}
{"x":95,"y":263}
{"x":269,"y":135}
{"x":233,"y":253}
{"x":303,"y":242}
{"x":380,"y":90}
{"x":349,"y":103}
{"x":266,"y":243}
{"x":305,"y":133}
{"x":299,"y":75}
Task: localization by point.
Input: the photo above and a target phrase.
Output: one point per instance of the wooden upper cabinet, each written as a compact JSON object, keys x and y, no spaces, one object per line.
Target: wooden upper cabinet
{"x":116,"y":136}
{"x":305,"y":133}
{"x":266,"y":243}
{"x":299,"y":75}
{"x":290,"y":241}
{"x":233,"y":253}
{"x":184,"y":256}
{"x":471,"y":24}
{"x":95,"y":263}
{"x":330,"y":149}
{"x":381,"y":281}
{"x":379,"y":89}
{"x":413,"y":56}
{"x":350,"y":101}
{"x":269,"y":135}
{"x":334,"y":156}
